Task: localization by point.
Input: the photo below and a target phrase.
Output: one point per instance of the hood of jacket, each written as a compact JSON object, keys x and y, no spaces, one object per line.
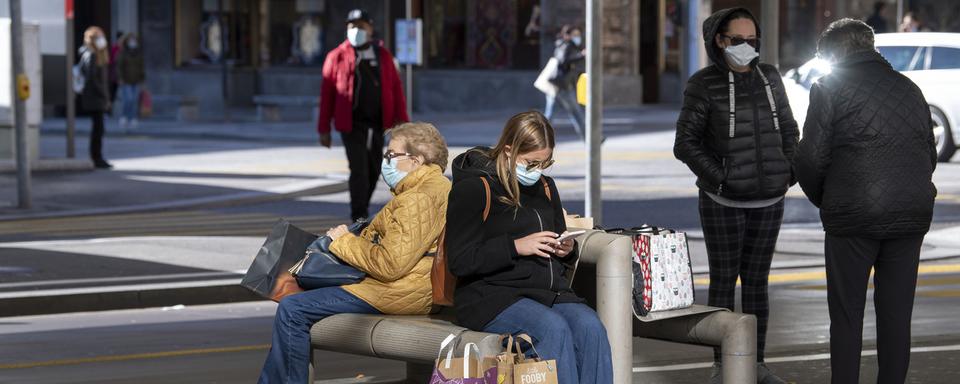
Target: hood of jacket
{"x":711,"y":27}
{"x":474,"y":163}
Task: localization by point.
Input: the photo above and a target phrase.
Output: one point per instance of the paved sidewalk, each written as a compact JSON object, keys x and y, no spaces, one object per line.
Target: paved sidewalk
{"x":166,"y":165}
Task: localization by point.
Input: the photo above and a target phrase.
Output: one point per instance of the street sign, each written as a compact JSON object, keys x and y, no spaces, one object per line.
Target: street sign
{"x":409,"y":41}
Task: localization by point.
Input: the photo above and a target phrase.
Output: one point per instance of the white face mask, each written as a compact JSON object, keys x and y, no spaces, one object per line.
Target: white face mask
{"x":741,"y":55}
{"x":100,"y":42}
{"x":577,"y":40}
{"x":357,"y":36}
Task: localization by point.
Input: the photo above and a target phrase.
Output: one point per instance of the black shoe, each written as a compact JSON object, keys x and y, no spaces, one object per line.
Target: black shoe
{"x":102,"y":164}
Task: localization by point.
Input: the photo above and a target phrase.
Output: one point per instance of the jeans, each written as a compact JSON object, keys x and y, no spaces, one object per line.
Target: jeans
{"x":571,"y":334}
{"x":895,"y":263}
{"x":130,"y":99}
{"x":568,"y":100}
{"x":289,"y":358}
{"x":548,"y":107}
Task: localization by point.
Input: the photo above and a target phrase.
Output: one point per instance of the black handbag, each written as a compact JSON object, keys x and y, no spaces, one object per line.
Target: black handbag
{"x":320,"y":268}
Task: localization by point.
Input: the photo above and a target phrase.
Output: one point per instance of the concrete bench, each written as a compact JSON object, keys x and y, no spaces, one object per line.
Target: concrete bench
{"x":268,"y":106}
{"x":182,"y":107}
{"x":604,"y":277}
{"x":412,"y":339}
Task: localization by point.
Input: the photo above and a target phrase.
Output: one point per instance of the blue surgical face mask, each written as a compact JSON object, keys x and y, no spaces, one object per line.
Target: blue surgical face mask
{"x":356,"y":36}
{"x":391,"y":175}
{"x":526,"y":177}
{"x":577,"y":40}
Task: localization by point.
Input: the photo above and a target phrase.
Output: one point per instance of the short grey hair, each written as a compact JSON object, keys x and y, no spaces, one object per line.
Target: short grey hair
{"x":845,"y":37}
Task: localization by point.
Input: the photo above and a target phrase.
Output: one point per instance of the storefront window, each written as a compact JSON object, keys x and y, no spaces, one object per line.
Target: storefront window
{"x":297,"y":31}
{"x":210,"y":32}
{"x":492,"y":34}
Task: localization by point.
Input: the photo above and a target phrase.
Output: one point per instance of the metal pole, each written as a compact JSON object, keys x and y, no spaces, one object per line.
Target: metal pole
{"x":770,"y":21}
{"x":896,"y":24}
{"x":71,"y":101}
{"x":20,"y":107}
{"x":224,"y":76}
{"x":409,"y":73}
{"x":594,"y":208}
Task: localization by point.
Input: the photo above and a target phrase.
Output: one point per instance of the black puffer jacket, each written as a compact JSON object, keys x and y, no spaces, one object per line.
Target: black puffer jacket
{"x":753,"y":160}
{"x":868,"y":153}
{"x":491,"y":275}
{"x":96,"y":94}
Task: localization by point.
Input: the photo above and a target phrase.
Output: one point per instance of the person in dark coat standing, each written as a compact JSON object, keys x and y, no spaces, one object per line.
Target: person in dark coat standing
{"x":866,"y":160}
{"x":130,"y":74}
{"x":362,"y":95}
{"x":878,"y":21}
{"x":95,"y":98}
{"x":737,"y":134}
{"x":511,"y":268}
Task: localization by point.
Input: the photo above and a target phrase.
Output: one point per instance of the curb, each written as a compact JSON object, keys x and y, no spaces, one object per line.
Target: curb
{"x":125,"y":297}
{"x":50,"y":165}
{"x":282,"y":193}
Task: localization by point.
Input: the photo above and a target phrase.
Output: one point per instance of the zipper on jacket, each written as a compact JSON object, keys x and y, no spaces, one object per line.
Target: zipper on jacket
{"x":550,"y":260}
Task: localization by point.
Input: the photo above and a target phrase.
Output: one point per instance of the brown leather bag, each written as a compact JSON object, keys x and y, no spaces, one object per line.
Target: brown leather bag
{"x":444,"y":283}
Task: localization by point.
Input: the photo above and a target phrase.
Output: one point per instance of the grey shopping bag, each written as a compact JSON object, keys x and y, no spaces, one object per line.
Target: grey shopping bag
{"x":269,"y":274}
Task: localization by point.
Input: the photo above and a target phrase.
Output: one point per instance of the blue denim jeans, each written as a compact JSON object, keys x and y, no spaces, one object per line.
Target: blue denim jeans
{"x":289,"y":358}
{"x":130,"y":100}
{"x":571,"y":334}
{"x":568,"y":100}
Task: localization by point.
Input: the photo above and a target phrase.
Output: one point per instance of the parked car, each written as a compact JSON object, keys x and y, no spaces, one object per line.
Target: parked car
{"x":931,"y":60}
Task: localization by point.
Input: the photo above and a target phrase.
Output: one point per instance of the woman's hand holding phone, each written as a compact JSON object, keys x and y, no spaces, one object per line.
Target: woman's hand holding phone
{"x":541,"y":244}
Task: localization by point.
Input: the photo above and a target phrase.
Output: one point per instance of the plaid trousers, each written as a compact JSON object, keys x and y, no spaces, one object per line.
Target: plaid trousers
{"x":740,"y":243}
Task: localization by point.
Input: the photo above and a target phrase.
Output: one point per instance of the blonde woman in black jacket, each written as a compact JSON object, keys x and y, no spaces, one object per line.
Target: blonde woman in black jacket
{"x":95,"y":98}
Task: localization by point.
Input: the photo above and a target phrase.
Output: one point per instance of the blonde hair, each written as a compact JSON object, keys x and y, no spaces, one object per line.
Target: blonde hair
{"x":524,"y":133}
{"x":422,"y":139}
{"x":89,"y":39}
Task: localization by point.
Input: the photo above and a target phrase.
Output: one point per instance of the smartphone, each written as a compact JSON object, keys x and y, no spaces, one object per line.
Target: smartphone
{"x":567,"y":235}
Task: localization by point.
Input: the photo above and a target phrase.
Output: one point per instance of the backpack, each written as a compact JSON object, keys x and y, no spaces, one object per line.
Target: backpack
{"x":79,"y":77}
{"x":443,"y":282}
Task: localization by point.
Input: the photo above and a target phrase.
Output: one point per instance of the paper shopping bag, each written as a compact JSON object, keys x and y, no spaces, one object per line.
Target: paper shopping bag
{"x":461,"y":370}
{"x":534,"y":370}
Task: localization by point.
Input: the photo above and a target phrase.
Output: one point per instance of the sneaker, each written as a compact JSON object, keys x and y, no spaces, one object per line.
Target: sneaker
{"x":764,"y":376}
{"x":123,"y":122}
{"x":716,"y":374}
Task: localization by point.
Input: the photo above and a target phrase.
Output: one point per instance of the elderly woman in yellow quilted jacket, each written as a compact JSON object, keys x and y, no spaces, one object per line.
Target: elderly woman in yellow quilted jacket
{"x":391,"y":250}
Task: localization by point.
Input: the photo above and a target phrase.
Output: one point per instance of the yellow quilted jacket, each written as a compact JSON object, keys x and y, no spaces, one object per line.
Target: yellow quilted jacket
{"x":392,"y":249}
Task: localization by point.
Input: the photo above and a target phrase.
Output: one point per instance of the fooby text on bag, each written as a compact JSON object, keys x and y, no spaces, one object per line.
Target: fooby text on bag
{"x":534,"y":370}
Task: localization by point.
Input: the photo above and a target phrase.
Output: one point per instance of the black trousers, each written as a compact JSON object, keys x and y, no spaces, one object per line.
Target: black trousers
{"x":96,"y":137}
{"x":364,"y":147}
{"x":894,"y":262}
{"x":740,"y":243}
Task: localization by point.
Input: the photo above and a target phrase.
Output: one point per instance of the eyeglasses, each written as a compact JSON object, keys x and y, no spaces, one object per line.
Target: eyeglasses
{"x":390,"y":154}
{"x":537,"y":164}
{"x":736,"y":40}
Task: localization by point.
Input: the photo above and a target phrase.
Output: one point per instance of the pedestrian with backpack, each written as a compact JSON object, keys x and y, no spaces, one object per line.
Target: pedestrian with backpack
{"x":95,"y":91}
{"x":504,"y":219}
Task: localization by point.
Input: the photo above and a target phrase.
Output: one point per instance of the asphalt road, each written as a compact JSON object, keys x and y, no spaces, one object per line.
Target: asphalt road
{"x":227,"y":343}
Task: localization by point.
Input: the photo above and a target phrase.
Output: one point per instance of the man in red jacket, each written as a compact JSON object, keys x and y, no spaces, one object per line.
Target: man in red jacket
{"x":361,"y":93}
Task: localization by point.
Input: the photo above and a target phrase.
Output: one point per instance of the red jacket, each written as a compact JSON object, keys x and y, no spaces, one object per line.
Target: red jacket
{"x":336,"y":90}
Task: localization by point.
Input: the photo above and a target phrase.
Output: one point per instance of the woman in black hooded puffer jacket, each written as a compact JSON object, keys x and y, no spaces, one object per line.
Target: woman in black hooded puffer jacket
{"x":737,"y":134}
